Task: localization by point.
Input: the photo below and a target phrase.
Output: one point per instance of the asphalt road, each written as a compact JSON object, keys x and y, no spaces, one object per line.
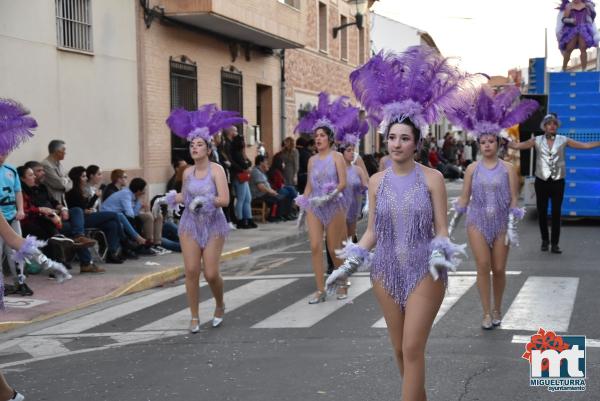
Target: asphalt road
{"x":274,"y":346}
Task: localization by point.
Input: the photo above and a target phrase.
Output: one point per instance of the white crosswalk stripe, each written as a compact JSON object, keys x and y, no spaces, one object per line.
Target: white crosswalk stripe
{"x":532,"y":308}
{"x":542,"y":302}
{"x":457,"y":286}
{"x":233,"y":299}
{"x":300,"y":314}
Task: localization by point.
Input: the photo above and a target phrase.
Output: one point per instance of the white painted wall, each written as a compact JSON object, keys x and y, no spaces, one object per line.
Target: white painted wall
{"x":389,"y":34}
{"x":90,"y":102}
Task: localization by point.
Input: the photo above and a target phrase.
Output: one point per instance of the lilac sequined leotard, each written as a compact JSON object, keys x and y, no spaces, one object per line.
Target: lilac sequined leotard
{"x":353,"y":194}
{"x":490,"y":201}
{"x":404,"y":230}
{"x":324,"y":180}
{"x":583,"y":27}
{"x":208,"y":222}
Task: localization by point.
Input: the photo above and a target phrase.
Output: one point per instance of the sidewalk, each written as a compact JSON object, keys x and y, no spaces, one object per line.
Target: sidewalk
{"x":51,"y":299}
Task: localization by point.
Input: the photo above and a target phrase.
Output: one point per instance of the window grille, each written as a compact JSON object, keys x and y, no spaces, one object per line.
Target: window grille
{"x":74,"y":25}
{"x":184,"y":94}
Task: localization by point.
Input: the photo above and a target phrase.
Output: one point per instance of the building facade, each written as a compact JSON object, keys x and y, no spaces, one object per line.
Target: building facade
{"x":73,"y":63}
{"x":325,"y":62}
{"x":224,"y":52}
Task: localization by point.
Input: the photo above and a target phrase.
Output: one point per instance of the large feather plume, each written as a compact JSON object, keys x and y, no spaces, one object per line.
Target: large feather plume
{"x":418,"y":84}
{"x":337,"y":115}
{"x":205,"y":122}
{"x":481,"y":112}
{"x":15,"y":125}
{"x":354,"y":132}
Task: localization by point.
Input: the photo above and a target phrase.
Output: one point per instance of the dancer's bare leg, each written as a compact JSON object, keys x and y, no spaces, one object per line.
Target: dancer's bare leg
{"x":6,"y":392}
{"x":211,"y":256}
{"x":192,"y":259}
{"x":422,"y":306}
{"x":483,"y":262}
{"x":394,"y":319}
{"x":336,"y":234}
{"x":499,"y":257}
{"x":567,"y":52}
{"x":315,"y":235}
{"x":583,"y":49}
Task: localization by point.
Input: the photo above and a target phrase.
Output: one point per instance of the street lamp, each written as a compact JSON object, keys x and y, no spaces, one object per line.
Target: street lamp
{"x":360,"y":10}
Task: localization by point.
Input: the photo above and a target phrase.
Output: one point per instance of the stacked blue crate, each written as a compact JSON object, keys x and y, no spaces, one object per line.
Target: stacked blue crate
{"x":575,"y":97}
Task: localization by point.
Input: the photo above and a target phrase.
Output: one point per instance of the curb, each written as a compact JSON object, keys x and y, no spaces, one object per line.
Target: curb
{"x":148,"y":281}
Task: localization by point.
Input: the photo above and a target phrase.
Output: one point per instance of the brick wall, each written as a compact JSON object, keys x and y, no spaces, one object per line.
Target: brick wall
{"x":155,"y":46}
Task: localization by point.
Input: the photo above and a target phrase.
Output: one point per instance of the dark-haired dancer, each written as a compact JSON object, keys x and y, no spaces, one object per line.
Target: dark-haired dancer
{"x":203,"y":227}
{"x":322,"y":200}
{"x":407,"y":223}
{"x":490,"y":191}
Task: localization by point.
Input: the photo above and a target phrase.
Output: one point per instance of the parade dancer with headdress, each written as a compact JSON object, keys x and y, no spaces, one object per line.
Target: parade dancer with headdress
{"x":15,"y":128}
{"x":407,"y":223}
{"x":322,"y":203}
{"x":490,"y":190}
{"x":550,"y":173}
{"x":356,"y":177}
{"x":576,"y":29}
{"x":203,"y":227}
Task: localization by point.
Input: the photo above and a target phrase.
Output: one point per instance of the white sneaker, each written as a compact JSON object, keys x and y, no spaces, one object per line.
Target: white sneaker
{"x":232,"y":226}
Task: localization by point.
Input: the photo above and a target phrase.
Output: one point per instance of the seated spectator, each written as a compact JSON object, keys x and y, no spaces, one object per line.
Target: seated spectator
{"x":128,"y":202}
{"x":170,"y":234}
{"x":56,"y":180}
{"x":277,"y":180}
{"x":11,"y":207}
{"x":45,"y":217}
{"x":118,"y":181}
{"x":108,"y":222}
{"x":176,"y":181}
{"x":261,"y":190}
{"x":94,"y":186}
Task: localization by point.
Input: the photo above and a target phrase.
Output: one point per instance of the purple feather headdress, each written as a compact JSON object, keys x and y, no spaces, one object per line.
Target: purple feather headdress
{"x":203,"y":123}
{"x":482,"y":112}
{"x":336,"y":115}
{"x":15,"y":125}
{"x":418,"y":84}
{"x":353,"y":133}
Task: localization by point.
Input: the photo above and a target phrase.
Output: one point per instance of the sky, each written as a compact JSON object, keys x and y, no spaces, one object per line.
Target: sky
{"x":490,"y":36}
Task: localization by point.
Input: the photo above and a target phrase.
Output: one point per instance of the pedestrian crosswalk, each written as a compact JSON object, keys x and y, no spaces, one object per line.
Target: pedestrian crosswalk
{"x":531,"y":308}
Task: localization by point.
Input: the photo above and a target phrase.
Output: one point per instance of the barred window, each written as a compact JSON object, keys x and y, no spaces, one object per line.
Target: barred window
{"x":74,"y":24}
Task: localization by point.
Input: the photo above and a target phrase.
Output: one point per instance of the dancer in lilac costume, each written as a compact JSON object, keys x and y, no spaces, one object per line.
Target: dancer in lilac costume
{"x":490,"y":190}
{"x":575,"y":29}
{"x":203,"y":227}
{"x":323,"y":202}
{"x":356,"y":176}
{"x":15,"y":128}
{"x":408,"y":226}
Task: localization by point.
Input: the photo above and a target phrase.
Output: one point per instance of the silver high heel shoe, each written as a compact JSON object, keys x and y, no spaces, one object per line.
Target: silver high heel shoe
{"x":317,"y":297}
{"x":216,"y":322}
{"x":342,"y":292}
{"x":496,"y":318}
{"x":194,"y":328}
{"x":486,"y":323}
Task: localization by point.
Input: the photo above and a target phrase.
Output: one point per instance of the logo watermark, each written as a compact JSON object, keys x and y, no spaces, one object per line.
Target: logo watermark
{"x":556,"y":362}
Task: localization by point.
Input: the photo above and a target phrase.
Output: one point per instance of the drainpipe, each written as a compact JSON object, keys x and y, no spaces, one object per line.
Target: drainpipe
{"x":282,"y":116}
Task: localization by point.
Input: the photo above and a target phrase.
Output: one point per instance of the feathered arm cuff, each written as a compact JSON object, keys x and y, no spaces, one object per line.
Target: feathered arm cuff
{"x":302,"y":202}
{"x":518,"y":212}
{"x":171,"y":199}
{"x":444,"y":254}
{"x":30,"y":246}
{"x":356,"y":258}
{"x":203,"y":204}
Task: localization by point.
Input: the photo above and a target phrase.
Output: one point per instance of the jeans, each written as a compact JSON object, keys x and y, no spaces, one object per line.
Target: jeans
{"x":127,"y":227}
{"x":553,"y":190}
{"x":170,"y":237}
{"x":242,"y":205}
{"x":108,"y":222}
{"x":288,"y":191}
{"x":75,"y":227}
